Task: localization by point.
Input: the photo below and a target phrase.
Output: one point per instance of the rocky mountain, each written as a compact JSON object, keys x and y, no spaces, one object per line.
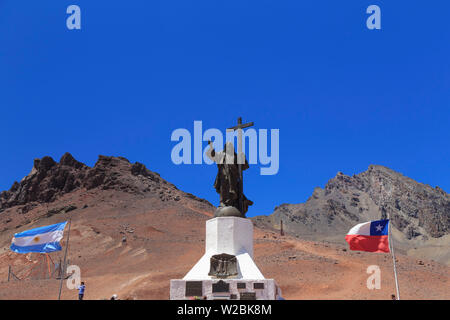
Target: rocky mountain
{"x":132,"y":231}
{"x":49,"y":180}
{"x":420,"y":214}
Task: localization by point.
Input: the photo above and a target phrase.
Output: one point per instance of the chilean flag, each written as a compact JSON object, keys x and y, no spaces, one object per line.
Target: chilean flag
{"x":369,"y":236}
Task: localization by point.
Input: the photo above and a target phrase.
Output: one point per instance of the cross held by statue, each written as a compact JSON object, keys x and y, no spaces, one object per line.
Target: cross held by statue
{"x":241,"y":157}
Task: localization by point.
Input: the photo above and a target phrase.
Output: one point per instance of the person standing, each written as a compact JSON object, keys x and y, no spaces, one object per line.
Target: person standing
{"x":81,"y":289}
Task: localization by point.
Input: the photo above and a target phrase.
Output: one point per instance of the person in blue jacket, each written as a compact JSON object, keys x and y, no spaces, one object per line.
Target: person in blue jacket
{"x":81,"y":291}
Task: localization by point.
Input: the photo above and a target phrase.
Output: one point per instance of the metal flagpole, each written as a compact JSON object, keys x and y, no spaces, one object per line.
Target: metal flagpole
{"x":391,"y":244}
{"x":48,"y":265}
{"x":64,"y":264}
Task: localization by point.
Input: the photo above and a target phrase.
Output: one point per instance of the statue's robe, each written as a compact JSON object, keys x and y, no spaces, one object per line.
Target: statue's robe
{"x":227,"y":178}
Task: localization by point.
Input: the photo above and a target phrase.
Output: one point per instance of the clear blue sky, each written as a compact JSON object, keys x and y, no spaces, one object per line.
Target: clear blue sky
{"x":343,"y":97}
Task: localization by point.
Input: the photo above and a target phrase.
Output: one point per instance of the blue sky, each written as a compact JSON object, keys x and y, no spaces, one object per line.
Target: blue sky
{"x":343,"y":96}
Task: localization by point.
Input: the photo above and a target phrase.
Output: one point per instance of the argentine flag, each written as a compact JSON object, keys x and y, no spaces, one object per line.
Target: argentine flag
{"x":44,"y":239}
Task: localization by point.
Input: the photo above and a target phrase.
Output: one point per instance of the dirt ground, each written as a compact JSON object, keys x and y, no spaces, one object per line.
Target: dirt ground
{"x":132,"y":246}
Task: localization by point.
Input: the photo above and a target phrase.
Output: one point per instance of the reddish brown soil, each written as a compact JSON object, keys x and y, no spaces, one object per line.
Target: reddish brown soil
{"x":165,"y":239}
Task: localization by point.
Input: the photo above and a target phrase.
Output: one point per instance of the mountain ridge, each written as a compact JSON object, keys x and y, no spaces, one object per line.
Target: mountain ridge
{"x":419,"y":213}
{"x":131,"y":233}
{"x":49,"y":180}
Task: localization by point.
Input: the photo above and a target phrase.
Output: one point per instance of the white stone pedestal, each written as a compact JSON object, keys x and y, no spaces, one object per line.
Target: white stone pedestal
{"x":234,"y":236}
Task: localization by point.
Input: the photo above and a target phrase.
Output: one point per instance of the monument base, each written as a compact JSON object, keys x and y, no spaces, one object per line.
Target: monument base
{"x":226,"y":289}
{"x":226,"y":270}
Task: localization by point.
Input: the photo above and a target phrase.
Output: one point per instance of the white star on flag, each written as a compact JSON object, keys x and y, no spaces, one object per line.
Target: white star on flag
{"x":379,"y":227}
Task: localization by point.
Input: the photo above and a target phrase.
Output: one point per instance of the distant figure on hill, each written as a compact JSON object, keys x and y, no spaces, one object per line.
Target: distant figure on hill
{"x":114,"y":297}
{"x":81,"y":289}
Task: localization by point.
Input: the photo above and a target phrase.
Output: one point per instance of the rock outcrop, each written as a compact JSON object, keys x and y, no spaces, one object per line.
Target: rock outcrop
{"x":49,"y":179}
{"x":417,"y":210}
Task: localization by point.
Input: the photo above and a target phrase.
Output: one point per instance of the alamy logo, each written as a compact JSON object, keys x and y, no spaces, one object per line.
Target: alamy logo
{"x":74,"y":280}
{"x":257,"y":142}
{"x":374,"y":281}
{"x":74,"y":20}
{"x":374,"y":20}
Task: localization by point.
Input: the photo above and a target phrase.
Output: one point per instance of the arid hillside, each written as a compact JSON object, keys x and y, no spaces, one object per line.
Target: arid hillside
{"x":419,"y":213}
{"x":132,"y":232}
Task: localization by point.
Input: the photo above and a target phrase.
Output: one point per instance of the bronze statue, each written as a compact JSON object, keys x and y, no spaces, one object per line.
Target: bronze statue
{"x":228,"y":182}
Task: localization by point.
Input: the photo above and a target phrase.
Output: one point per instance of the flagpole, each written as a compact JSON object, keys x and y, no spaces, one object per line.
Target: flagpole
{"x":64,"y":263}
{"x":391,"y":244}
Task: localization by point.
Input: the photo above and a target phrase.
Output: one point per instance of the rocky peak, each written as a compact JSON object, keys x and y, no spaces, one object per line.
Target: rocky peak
{"x":414,"y":208}
{"x":49,"y":180}
{"x":68,"y":160}
{"x":417,"y":210}
{"x":44,"y":164}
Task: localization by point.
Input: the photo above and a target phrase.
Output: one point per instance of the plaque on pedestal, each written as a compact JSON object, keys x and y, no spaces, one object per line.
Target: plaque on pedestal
{"x":221,"y":286}
{"x":248,"y":296}
{"x":257,"y":285}
{"x":194,"y":288}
